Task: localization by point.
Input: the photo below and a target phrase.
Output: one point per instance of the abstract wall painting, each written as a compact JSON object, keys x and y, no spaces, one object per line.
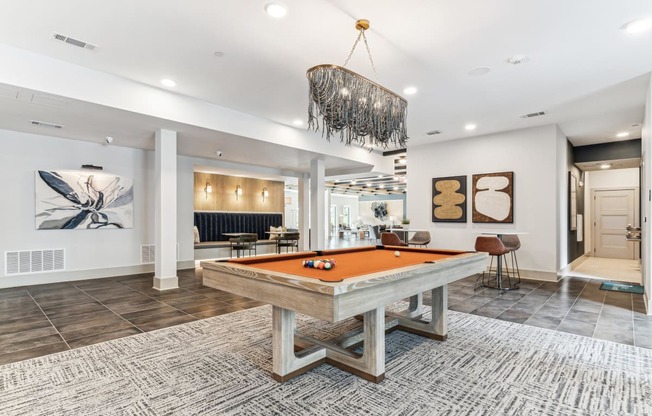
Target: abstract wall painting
{"x":68,"y":200}
{"x":449,"y":199}
{"x":380,"y":210}
{"x":493,"y":197}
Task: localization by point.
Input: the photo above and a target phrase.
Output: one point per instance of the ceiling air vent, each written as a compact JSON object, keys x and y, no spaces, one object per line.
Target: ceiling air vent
{"x":433,"y":132}
{"x":46,"y":124}
{"x":74,"y":42}
{"x":538,"y":114}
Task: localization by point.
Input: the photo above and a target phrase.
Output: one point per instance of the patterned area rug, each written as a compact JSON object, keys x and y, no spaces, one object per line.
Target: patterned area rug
{"x":222,"y":366}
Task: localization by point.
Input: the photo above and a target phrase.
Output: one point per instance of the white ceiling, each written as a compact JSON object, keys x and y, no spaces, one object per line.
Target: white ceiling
{"x":584,"y":71}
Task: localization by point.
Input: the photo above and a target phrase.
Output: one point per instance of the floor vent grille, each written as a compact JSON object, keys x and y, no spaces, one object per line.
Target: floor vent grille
{"x":34,"y":261}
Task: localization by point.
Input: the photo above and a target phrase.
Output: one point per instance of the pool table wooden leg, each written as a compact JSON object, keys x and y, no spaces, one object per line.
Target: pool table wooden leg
{"x":437,"y":328}
{"x":286,"y":364}
{"x":371,"y":365}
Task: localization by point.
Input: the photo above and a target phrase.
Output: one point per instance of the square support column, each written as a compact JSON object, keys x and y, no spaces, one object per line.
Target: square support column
{"x":317,"y":205}
{"x":165,"y":273}
{"x":304,"y":211}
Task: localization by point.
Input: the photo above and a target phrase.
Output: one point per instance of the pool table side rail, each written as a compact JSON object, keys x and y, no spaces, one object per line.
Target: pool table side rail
{"x":336,"y":301}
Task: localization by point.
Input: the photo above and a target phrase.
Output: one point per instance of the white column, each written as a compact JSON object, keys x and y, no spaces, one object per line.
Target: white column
{"x":165,"y":274}
{"x":304,"y":211}
{"x":317,"y":214}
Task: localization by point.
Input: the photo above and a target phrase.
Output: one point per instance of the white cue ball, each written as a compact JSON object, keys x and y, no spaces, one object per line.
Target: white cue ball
{"x":397,"y":253}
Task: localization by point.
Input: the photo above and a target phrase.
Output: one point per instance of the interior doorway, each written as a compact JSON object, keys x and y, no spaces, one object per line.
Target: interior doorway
{"x":613,"y":211}
{"x":611,"y":203}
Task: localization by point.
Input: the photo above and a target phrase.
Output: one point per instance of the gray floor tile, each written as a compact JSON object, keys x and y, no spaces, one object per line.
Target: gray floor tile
{"x":577,"y":327}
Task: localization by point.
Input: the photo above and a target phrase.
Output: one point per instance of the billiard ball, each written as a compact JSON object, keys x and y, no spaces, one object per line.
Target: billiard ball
{"x":327,"y":266}
{"x":397,"y":253}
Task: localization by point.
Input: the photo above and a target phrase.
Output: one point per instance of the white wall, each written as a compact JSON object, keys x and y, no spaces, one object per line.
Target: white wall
{"x":89,"y":253}
{"x":561,"y":196}
{"x":605,"y":179}
{"x":349,"y":200}
{"x":646,"y":187}
{"x":531,"y":154}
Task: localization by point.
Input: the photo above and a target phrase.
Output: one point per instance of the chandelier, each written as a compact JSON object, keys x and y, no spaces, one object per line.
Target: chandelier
{"x":362,"y":111}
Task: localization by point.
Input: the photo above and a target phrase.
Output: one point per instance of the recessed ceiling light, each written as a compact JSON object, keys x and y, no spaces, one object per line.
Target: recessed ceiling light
{"x":517,"y":59}
{"x":380,"y":176}
{"x":396,"y":188}
{"x":638,"y":26}
{"x":369,"y":185}
{"x":470,"y":127}
{"x":381,"y":186}
{"x":402,"y":161}
{"x":605,"y":166}
{"x":219,"y":54}
{"x":298,"y":122}
{"x":622,"y":134}
{"x":395,"y":178}
{"x":168,"y":82}
{"x":410,"y":90}
{"x":275,"y":10}
{"x":479,"y":71}
{"x":353,"y":182}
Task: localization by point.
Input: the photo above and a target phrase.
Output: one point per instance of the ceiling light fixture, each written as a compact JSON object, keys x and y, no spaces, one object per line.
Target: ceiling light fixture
{"x":275,"y":10}
{"x":517,"y":59}
{"x":479,"y":71}
{"x":622,"y":134}
{"x":470,"y":127}
{"x":360,"y":110}
{"x":605,"y":166}
{"x":402,"y":161}
{"x":410,"y":90}
{"x":298,"y":122}
{"x":638,"y":26}
{"x":168,"y":82}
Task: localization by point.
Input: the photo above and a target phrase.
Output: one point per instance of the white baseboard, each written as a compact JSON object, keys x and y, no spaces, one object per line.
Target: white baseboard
{"x":75,"y":275}
{"x":539,"y":275}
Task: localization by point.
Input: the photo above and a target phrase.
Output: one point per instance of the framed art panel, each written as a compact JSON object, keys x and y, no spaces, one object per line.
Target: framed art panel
{"x":493,"y":197}
{"x":67,"y":199}
{"x":572,"y":201}
{"x":449,"y":199}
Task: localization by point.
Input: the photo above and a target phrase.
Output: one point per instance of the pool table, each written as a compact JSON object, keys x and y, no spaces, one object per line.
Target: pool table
{"x":363,"y":281}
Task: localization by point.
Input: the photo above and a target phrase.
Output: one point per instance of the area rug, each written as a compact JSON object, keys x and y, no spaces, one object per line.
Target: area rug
{"x":622,"y":287}
{"x":222,"y":366}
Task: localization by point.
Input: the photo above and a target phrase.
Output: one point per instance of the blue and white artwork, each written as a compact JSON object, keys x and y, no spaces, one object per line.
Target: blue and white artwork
{"x":73,"y":199}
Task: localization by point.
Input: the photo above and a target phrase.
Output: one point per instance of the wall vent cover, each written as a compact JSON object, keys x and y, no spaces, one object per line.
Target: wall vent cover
{"x":433,"y":132}
{"x":46,"y":124}
{"x":74,"y":42}
{"x":147,"y":254}
{"x":537,"y":114}
{"x":34,"y":261}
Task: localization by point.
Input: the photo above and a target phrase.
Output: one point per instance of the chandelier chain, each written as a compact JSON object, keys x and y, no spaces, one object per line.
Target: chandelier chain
{"x":366,"y":44}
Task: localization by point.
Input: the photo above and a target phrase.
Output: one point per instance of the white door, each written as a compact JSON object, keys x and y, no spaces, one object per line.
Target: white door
{"x":613,"y":211}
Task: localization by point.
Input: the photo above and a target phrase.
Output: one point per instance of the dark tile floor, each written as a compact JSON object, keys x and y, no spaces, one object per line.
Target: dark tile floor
{"x":574,"y":304}
{"x":43,"y":319}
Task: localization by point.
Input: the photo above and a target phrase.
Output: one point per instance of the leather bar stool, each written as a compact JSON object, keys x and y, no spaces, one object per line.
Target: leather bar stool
{"x":391,"y":239}
{"x":420,"y":238}
{"x":513,"y":243}
{"x":495,"y":248}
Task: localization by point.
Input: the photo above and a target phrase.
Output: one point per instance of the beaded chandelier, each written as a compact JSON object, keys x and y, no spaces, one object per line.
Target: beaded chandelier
{"x":362,"y":111}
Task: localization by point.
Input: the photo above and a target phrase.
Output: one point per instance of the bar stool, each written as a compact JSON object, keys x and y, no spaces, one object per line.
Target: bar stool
{"x":391,"y":239}
{"x":495,"y":248}
{"x":420,"y":238}
{"x":513,"y":243}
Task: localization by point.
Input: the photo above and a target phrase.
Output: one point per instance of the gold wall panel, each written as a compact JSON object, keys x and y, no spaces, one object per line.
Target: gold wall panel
{"x":223,"y":196}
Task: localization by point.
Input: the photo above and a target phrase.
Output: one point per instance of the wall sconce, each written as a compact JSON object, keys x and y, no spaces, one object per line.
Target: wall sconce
{"x":238,"y":192}
{"x":265,"y":194}
{"x":208,"y":189}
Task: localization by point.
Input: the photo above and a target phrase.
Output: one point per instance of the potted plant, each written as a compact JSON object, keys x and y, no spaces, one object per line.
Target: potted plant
{"x":405,"y":222}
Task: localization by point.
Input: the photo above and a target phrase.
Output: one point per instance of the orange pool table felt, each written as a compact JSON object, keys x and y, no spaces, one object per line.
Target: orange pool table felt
{"x":350,"y":263}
